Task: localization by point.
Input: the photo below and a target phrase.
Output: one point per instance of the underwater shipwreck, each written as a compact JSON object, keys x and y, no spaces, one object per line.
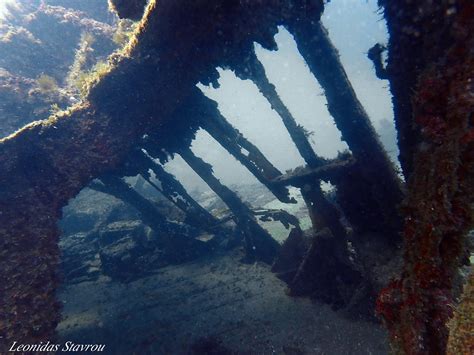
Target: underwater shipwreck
{"x":101,"y":243}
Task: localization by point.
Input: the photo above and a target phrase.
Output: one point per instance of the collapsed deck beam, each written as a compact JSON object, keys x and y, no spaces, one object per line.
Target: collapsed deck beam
{"x":165,"y":230}
{"x":191,"y":219}
{"x":259,"y":243}
{"x":140,"y":163}
{"x":329,"y":172}
{"x":254,"y":160}
{"x":175,"y":192}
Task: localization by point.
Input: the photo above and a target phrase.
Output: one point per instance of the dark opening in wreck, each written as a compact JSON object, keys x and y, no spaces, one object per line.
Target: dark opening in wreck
{"x":377,"y":243}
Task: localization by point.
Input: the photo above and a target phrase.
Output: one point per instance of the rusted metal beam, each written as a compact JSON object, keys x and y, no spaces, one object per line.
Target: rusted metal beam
{"x":246,"y":153}
{"x":438,"y":209}
{"x":259,"y":243}
{"x":139,"y":163}
{"x":331,"y":171}
{"x":174,"y":191}
{"x":349,"y":115}
{"x":380,"y":188}
{"x":254,"y":70}
{"x":150,"y":215}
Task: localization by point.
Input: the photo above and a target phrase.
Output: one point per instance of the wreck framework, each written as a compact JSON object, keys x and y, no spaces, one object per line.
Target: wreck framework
{"x":183,"y":43}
